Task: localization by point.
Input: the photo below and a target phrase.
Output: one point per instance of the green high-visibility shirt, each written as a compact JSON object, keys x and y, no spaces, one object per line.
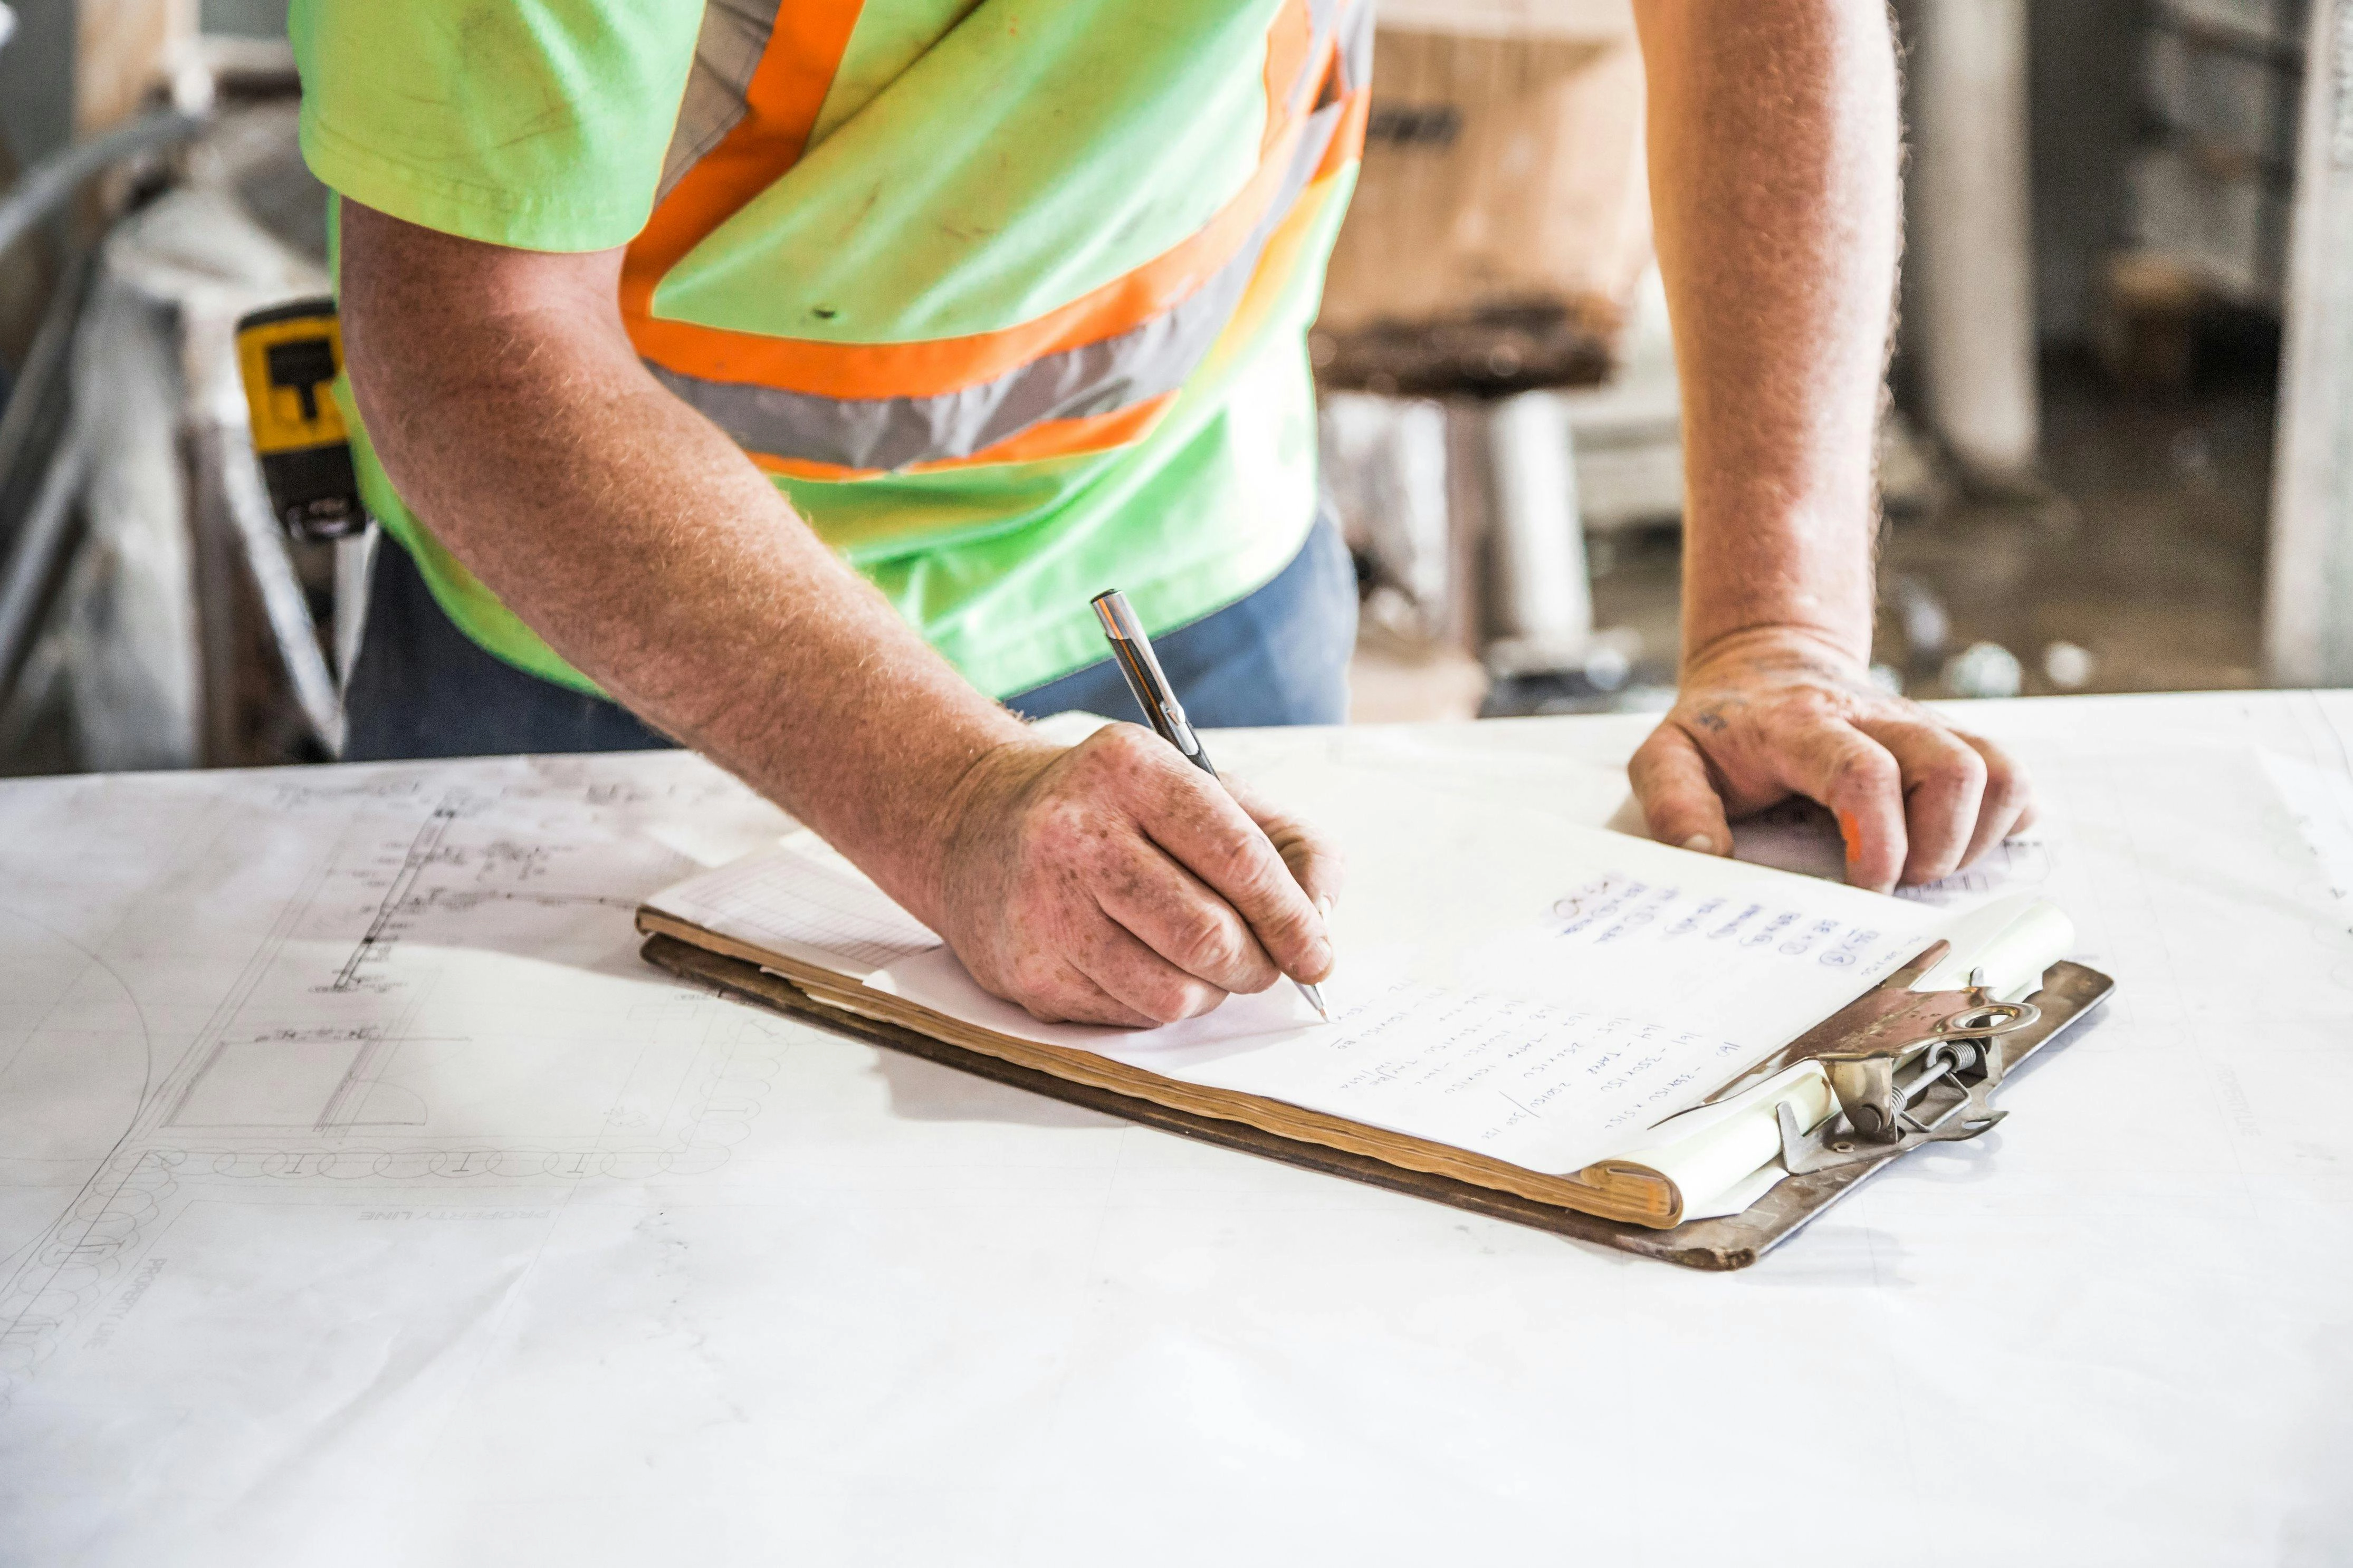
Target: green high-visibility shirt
{"x":1009,"y":298}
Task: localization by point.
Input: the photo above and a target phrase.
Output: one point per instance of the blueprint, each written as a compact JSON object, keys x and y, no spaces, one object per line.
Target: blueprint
{"x":366,"y":1200}
{"x":402,"y":981}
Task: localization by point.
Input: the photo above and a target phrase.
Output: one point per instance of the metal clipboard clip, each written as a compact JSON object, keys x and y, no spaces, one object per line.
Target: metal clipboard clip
{"x":1933,"y":1084}
{"x":1903,"y":1068}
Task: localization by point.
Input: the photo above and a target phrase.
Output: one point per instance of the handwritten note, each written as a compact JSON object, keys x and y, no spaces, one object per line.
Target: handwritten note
{"x":1498,"y":1070}
{"x":1629,"y":999}
{"x":1620,"y":910}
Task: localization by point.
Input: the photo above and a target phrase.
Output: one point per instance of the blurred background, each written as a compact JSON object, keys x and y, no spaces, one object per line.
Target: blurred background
{"x":2117,"y":212}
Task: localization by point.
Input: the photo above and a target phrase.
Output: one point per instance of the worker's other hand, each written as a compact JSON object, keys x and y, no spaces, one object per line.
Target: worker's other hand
{"x":1113,"y":882}
{"x":1770,"y":713}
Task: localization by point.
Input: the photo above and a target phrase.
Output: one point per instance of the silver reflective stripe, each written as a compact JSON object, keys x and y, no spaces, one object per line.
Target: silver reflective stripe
{"x":726,"y":52}
{"x":1319,"y":32}
{"x":1139,"y":364}
{"x":1356,"y":48}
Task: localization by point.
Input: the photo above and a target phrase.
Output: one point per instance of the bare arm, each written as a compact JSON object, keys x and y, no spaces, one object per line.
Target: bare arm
{"x":1110,"y":882}
{"x":1773,"y":172}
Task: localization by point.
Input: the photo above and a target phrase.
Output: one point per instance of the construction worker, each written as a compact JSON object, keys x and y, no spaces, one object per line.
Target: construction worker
{"x":783,"y":376}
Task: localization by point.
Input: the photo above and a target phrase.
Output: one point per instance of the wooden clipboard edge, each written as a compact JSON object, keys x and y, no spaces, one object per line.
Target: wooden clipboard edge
{"x":1714,"y":1245}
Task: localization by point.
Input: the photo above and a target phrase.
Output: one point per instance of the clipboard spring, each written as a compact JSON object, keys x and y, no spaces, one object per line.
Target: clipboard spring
{"x":1937,"y":1088}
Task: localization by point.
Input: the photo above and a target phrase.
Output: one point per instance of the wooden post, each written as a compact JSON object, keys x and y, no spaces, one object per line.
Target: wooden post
{"x":2308,"y":618}
{"x":123,"y":50}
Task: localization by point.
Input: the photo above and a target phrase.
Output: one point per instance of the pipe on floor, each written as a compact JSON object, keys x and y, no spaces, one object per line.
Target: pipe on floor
{"x":1972,"y":245}
{"x":1542,"y":598}
{"x":51,"y":183}
{"x":34,"y":554}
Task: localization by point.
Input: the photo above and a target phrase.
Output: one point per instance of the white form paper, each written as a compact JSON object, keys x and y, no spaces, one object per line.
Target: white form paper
{"x":803,"y":901}
{"x":1508,"y":982}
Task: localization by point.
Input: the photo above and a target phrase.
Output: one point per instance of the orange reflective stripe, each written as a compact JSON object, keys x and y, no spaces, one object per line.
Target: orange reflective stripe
{"x":935,"y":366}
{"x":1288,"y":43}
{"x":1049,"y":438}
{"x":1347,"y":142}
{"x":781,"y":103}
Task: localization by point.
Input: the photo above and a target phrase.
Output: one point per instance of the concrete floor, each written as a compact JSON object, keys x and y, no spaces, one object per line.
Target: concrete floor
{"x":2148,"y":552}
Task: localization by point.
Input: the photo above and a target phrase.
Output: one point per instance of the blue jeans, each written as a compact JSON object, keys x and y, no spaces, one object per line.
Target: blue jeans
{"x":1278,"y":656}
{"x":424,"y":688}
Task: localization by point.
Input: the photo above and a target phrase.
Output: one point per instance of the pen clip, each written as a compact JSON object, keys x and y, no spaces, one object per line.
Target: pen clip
{"x":1181,"y":729}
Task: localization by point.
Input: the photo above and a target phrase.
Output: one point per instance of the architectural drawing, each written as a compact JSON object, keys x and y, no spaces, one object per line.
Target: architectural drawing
{"x":378,"y":1028}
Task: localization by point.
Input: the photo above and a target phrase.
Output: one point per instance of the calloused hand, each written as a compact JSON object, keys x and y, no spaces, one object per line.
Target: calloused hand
{"x":1772,"y":712}
{"x":1113,"y":882}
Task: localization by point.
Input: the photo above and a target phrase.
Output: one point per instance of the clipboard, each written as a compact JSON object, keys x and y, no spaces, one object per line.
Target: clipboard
{"x":1928,"y":1062}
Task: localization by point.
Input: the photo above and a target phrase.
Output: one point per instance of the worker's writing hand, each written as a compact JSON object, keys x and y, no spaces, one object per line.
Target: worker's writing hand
{"x":1770,"y":713}
{"x":1113,"y":882}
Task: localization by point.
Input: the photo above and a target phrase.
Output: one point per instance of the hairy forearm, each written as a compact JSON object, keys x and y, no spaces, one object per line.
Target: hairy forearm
{"x":1772,"y":172}
{"x":639,"y":542}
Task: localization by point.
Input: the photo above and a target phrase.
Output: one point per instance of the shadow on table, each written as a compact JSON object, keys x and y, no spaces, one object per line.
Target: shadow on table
{"x":927,"y":1092}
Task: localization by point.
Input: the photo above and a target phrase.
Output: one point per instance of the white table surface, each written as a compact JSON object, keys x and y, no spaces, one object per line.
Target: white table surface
{"x":363,"y":1199}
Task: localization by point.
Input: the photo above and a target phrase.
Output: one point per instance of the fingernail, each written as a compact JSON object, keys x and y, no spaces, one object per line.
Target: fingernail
{"x":1851,"y":831}
{"x":1700,"y":842}
{"x":1324,"y":906}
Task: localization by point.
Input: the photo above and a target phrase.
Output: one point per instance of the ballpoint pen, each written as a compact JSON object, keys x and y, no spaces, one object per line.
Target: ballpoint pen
{"x":1133,"y":649}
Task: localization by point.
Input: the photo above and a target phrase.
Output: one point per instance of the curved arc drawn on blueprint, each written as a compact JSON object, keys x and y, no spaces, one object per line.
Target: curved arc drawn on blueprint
{"x":75,"y":1269}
